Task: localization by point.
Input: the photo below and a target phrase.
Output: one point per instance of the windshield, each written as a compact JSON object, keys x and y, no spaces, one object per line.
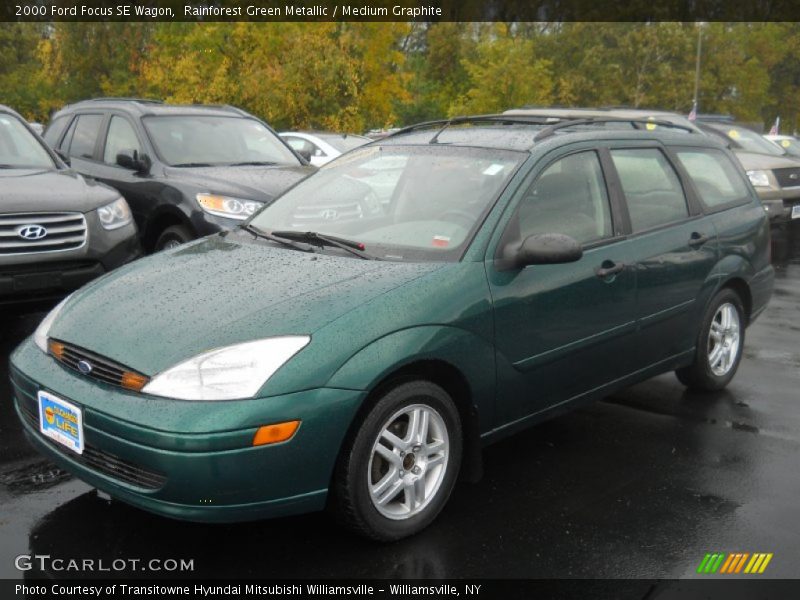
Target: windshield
{"x":416,"y":203}
{"x":19,"y":148}
{"x":790,"y":145}
{"x":749,"y":141}
{"x":191,"y":140}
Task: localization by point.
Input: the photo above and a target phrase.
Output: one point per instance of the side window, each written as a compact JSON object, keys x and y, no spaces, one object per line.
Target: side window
{"x":121,"y":136}
{"x":652,"y":188}
{"x":569,"y":197}
{"x":85,"y":135}
{"x":714,"y":175}
{"x":55,"y":129}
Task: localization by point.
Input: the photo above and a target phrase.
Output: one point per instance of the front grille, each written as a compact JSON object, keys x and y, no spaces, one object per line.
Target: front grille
{"x":102,"y":369}
{"x":47,"y":232}
{"x":99,"y":460}
{"x":788,"y":177}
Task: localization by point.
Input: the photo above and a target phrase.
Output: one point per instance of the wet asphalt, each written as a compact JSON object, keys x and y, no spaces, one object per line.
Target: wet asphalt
{"x":639,"y":485}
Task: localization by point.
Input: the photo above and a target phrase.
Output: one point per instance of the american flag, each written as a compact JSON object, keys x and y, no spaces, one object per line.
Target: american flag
{"x":775,"y":127}
{"x":693,"y":112}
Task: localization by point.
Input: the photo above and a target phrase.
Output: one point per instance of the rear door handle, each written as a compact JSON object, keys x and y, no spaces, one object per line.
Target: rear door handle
{"x":698,"y":239}
{"x":608,"y":268}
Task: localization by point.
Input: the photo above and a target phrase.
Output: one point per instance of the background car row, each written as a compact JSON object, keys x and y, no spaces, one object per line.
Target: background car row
{"x":176,"y":173}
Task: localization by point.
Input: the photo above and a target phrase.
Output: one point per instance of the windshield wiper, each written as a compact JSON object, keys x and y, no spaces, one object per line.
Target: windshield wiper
{"x":194,"y":164}
{"x":252,"y":163}
{"x":273,"y":238}
{"x":312,"y":237}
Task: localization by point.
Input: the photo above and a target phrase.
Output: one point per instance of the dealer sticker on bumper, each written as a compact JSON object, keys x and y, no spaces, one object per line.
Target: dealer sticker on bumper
{"x":61,"y":421}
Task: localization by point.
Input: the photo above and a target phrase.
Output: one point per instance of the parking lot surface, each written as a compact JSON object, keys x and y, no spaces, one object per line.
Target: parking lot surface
{"x":640,"y":485}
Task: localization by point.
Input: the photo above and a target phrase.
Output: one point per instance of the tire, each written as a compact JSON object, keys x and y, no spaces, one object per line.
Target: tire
{"x":415,"y":485}
{"x":172,"y":237}
{"x":709,"y":371}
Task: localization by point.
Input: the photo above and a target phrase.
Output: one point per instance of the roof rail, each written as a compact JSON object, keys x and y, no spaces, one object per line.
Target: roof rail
{"x":123,"y":99}
{"x":552,"y":123}
{"x":564,"y":123}
{"x":501,"y":119}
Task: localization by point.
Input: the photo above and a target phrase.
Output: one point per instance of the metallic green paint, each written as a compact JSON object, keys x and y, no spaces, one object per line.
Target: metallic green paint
{"x":527,"y":343}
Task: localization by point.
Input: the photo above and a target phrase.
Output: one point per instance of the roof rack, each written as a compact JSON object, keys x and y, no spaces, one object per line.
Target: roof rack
{"x":552,"y":123}
{"x":443,"y":124}
{"x":547,"y":132}
{"x":123,"y":99}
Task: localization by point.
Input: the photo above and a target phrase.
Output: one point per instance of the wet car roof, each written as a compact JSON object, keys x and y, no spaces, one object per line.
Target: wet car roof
{"x":520,"y":136}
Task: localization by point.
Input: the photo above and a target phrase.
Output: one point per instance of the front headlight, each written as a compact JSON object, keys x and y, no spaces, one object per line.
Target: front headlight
{"x":227,"y":373}
{"x":43,"y":330}
{"x":759,"y":178}
{"x":114,"y":215}
{"x":225,"y":206}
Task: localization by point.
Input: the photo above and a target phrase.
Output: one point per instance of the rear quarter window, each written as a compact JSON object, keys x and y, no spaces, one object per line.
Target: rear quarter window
{"x":716,"y":179}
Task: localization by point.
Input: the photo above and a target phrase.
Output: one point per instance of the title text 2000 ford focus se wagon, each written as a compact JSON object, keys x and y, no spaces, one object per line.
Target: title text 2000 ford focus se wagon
{"x":355,"y":343}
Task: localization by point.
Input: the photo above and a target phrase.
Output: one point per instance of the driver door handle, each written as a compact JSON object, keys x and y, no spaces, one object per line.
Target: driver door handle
{"x":698,"y":239}
{"x":608,"y":268}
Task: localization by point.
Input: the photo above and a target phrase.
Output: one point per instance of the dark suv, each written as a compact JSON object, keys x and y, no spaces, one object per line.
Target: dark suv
{"x":57,"y":230}
{"x":186,"y":171}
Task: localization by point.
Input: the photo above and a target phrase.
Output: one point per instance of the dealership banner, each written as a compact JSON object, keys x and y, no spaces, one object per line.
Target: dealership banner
{"x":398,"y":10}
{"x":524,"y":589}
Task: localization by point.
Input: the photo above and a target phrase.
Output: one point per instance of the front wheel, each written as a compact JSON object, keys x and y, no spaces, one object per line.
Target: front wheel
{"x":396,"y":474}
{"x":719,"y":345}
{"x":172,"y":237}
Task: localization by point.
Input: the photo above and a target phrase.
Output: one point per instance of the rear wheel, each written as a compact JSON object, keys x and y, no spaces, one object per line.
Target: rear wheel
{"x":397,"y":473}
{"x":172,"y":237}
{"x":719,"y":345}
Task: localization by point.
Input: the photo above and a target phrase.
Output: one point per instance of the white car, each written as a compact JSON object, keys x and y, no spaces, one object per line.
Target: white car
{"x":790,"y":144}
{"x":322,"y":148}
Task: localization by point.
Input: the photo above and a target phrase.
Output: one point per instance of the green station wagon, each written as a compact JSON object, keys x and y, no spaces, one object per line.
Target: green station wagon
{"x":354,"y":344}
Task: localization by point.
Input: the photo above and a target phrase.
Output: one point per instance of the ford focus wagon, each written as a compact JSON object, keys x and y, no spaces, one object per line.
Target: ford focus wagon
{"x":354,"y":344}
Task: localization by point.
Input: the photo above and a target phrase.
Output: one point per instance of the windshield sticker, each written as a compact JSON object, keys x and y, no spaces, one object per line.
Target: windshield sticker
{"x":440,"y":241}
{"x":733,"y":133}
{"x":493,"y":169}
{"x":786,"y":143}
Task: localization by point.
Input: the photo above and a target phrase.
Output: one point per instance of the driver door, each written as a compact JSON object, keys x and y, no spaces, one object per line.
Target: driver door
{"x":562,"y":330}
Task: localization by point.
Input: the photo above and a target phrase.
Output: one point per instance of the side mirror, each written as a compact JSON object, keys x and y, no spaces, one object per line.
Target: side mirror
{"x":63,"y":156}
{"x":306,"y":154}
{"x":543,"y":249}
{"x":131,"y":159}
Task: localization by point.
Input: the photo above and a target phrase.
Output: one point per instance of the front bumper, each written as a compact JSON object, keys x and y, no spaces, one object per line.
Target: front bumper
{"x":190,"y":460}
{"x":779,"y":202}
{"x":43,"y":276}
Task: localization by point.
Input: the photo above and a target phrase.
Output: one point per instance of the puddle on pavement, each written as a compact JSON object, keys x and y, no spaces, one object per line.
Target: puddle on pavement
{"x":32,"y":477}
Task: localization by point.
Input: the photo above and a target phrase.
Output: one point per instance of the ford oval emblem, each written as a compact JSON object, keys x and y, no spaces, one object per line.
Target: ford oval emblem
{"x":31,"y":232}
{"x":84,"y":367}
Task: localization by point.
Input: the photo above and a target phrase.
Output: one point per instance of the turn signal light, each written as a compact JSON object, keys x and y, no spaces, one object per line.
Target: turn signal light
{"x":133,"y":381}
{"x":56,"y":349}
{"x":275,"y":433}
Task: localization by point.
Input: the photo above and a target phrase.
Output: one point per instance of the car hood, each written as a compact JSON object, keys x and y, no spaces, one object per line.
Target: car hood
{"x":752,"y":160}
{"x":254,"y":183}
{"x":161,"y":310}
{"x":43,"y":190}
